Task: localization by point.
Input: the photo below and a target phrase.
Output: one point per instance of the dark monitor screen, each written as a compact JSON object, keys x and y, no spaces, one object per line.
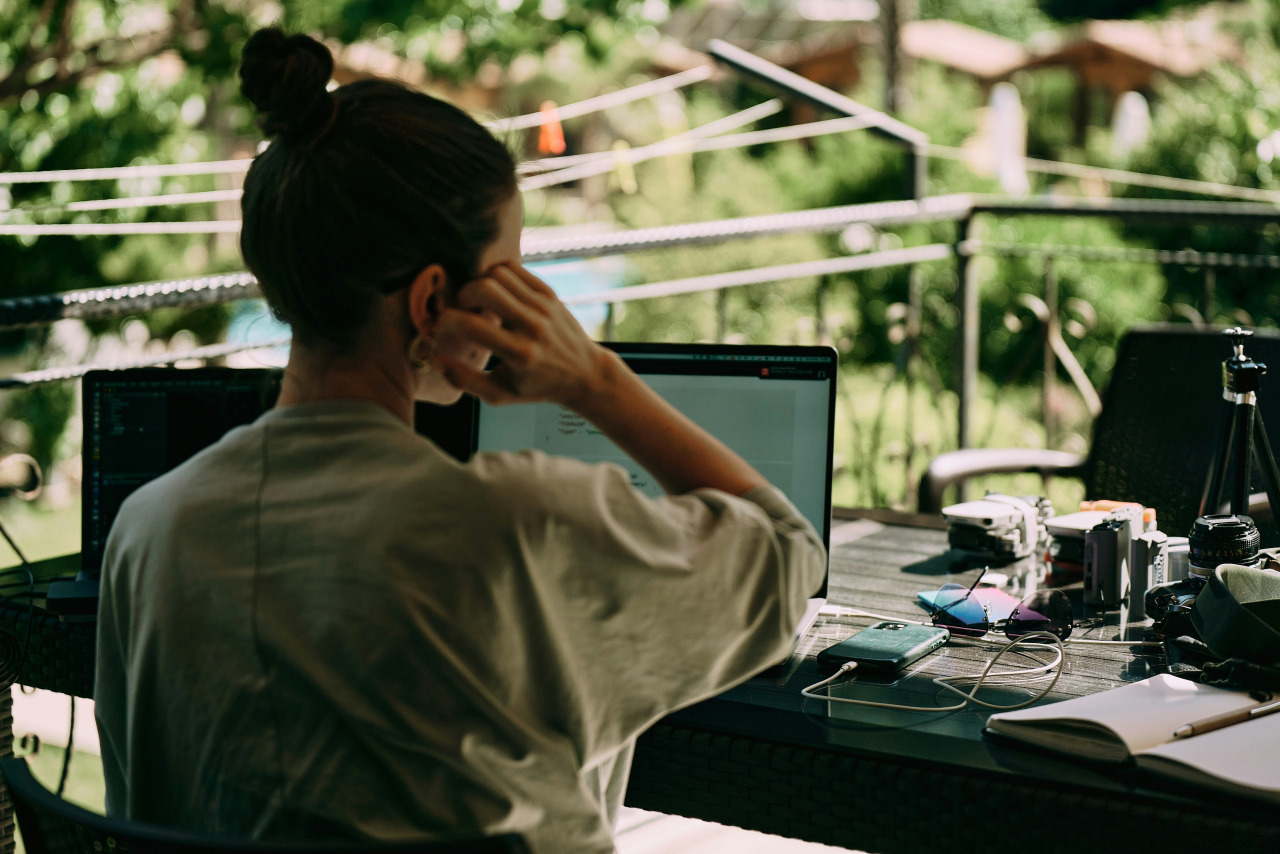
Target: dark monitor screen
{"x":139,"y":424}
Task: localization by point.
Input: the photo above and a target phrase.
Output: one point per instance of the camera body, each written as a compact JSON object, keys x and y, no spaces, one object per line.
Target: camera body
{"x":1124,"y":555}
{"x":1107,"y":558}
{"x":1149,"y":567}
{"x":1000,"y":527}
{"x":1169,"y":604}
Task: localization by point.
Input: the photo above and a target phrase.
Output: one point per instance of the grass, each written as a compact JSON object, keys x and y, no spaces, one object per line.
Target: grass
{"x":41,"y":531}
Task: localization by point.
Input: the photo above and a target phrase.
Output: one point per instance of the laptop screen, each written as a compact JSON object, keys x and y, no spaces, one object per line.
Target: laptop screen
{"x":139,"y":424}
{"x":774,"y":406}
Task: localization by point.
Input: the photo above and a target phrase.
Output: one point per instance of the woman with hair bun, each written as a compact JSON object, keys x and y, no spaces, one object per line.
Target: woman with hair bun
{"x":323,"y":625}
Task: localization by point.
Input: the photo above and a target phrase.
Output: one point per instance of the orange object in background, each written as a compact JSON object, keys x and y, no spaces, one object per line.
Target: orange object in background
{"x":1148,"y":513}
{"x":550,"y":133}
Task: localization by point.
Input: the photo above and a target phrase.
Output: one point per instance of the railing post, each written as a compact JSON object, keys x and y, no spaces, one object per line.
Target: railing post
{"x":821,"y":334}
{"x":911,"y":348}
{"x":1210,"y":286}
{"x":722,"y":314}
{"x":917,"y":172}
{"x":1052,"y":325}
{"x":967,"y":358}
{"x":609,"y":320}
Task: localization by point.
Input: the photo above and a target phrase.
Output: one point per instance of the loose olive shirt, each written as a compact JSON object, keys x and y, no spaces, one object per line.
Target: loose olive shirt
{"x":325,"y":625}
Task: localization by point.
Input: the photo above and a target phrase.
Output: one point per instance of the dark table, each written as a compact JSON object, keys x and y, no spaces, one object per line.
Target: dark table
{"x":765,"y":758}
{"x":762,"y":757}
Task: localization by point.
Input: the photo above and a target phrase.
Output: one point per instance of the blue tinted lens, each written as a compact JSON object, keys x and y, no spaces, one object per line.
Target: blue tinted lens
{"x":955,"y":608}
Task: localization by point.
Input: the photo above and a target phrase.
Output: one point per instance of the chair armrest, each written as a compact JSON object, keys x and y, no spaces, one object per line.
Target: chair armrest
{"x":955,"y":467}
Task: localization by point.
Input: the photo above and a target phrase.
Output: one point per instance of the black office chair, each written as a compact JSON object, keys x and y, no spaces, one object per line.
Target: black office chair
{"x":50,"y":825}
{"x":1153,"y":443}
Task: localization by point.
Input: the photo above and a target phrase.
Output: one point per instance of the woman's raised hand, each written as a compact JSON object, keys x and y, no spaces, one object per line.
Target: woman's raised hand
{"x":545,"y":353}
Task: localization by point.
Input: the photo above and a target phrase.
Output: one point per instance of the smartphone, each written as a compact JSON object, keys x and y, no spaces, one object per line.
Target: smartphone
{"x":886,"y":647}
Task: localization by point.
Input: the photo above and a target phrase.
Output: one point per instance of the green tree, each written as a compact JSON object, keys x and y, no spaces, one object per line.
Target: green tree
{"x":1224,"y":128}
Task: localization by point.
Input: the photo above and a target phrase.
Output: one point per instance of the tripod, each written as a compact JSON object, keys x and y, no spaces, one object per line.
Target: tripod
{"x":1236,"y":448}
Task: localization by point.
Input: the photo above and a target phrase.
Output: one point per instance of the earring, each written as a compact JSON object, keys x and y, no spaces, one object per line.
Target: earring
{"x":420,"y":363}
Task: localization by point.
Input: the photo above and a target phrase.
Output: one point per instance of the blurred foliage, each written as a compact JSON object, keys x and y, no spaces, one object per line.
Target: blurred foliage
{"x":45,"y":409}
{"x":1224,"y":128}
{"x":1013,"y":19}
{"x":100,"y":83}
{"x":455,"y":38}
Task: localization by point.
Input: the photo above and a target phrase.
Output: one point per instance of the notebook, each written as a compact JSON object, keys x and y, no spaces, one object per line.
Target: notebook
{"x":773,"y":405}
{"x":1137,"y":721}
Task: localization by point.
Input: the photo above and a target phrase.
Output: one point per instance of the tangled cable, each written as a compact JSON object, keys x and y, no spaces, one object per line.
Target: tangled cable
{"x":1021,"y":676}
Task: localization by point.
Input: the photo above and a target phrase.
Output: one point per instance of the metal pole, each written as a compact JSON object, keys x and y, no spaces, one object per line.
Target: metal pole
{"x":1052,"y":326}
{"x":722,"y":314}
{"x":609,"y":321}
{"x":918,"y":172}
{"x":967,"y":358}
{"x":821,"y":334}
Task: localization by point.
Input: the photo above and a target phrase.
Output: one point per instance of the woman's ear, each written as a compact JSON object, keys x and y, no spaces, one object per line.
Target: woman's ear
{"x":427,"y":298}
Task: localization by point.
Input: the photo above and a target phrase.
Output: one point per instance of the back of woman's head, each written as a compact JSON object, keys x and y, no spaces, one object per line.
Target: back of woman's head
{"x":361,"y":189}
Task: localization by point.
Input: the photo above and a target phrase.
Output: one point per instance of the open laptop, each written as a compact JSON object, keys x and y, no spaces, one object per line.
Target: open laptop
{"x":774,"y":406}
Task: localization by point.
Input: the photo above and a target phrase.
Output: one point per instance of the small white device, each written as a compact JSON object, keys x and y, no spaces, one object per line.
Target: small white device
{"x":999,"y":526}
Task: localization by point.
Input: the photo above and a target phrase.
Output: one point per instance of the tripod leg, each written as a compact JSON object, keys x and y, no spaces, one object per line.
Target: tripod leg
{"x":1242,"y":455}
{"x":1211,"y":498}
{"x":1267,"y":462}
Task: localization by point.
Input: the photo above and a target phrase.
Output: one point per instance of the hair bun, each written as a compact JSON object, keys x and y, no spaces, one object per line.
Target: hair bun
{"x":285,"y":79}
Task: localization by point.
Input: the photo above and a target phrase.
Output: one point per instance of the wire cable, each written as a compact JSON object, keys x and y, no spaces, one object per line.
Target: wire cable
{"x":598,"y":163}
{"x":988,"y":676}
{"x":213,"y":351}
{"x":102,"y":229}
{"x":669,"y":147}
{"x":232,"y":167}
{"x":599,"y":103}
{"x":730,"y":122}
{"x":163,"y":200}
{"x":760,"y":275}
{"x":1120,"y":176}
{"x":120,"y":173}
{"x":66,"y":757}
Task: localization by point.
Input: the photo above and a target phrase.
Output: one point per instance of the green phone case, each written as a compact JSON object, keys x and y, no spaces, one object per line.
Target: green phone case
{"x":885,"y":647}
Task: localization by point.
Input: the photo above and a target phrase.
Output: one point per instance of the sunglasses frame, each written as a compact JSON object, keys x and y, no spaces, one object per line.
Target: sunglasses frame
{"x":966,"y":629}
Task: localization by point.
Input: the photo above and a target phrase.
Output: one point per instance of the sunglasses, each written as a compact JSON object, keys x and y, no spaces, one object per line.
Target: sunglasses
{"x":956,"y":609}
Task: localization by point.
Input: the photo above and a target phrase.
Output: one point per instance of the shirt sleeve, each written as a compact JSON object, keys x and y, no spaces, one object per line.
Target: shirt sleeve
{"x":655,"y":603}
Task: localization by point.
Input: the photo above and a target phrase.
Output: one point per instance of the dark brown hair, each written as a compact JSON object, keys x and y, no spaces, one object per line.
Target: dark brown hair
{"x":361,"y":189}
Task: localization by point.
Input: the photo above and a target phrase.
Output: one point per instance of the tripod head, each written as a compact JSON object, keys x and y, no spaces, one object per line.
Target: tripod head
{"x":1241,"y":375}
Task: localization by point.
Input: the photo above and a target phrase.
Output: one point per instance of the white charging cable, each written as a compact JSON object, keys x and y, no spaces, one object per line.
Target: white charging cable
{"x":843,"y":611}
{"x":1023,"y":676}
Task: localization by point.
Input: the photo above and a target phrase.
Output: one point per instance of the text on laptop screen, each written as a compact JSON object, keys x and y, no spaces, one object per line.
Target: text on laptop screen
{"x":773,"y":406}
{"x":140,"y":424}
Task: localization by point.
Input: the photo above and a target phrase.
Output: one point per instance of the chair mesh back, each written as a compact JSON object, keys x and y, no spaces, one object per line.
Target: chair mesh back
{"x":1161,"y":418}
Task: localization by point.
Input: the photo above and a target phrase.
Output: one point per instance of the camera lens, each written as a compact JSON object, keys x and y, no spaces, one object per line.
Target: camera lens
{"x":1222,"y":538}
